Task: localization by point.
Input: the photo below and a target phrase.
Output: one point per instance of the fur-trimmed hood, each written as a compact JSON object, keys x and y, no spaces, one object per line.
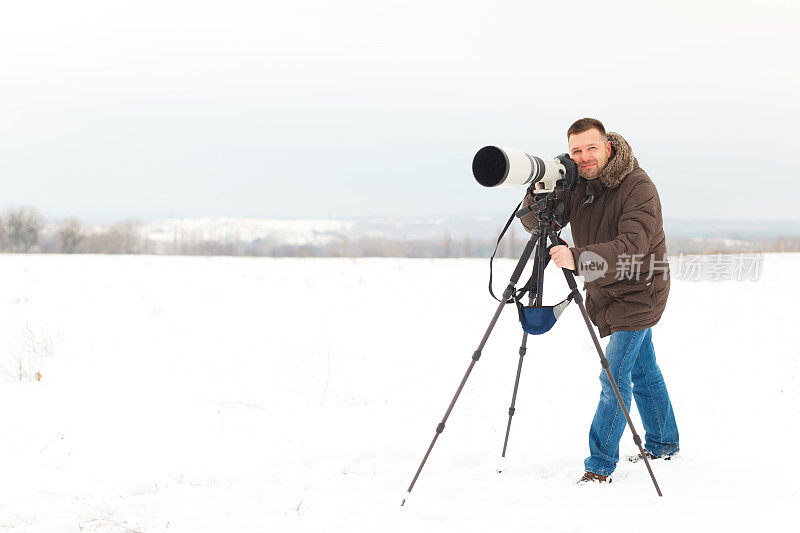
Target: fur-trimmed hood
{"x":621,"y":163}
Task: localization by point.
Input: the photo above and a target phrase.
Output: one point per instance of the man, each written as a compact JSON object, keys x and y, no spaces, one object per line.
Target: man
{"x":616,"y":223}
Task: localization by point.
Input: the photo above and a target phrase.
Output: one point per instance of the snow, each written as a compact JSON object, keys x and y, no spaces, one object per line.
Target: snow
{"x":260,"y":394}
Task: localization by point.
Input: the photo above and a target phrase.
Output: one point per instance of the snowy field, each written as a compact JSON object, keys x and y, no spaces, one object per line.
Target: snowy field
{"x":274,"y":395}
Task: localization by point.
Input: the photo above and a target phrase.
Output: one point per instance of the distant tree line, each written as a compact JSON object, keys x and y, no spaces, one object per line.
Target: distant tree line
{"x":23,"y":230}
{"x":20,"y":229}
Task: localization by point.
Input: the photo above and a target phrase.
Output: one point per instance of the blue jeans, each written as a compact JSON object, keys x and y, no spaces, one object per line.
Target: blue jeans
{"x":631,"y":357}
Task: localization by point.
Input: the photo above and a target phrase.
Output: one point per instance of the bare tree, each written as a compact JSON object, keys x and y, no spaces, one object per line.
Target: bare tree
{"x":467,"y":246}
{"x":3,"y":235}
{"x":502,"y":246}
{"x":337,"y":247}
{"x":22,"y":228}
{"x":511,"y":249}
{"x":447,"y":245}
{"x":71,"y":235}
{"x":122,"y":238}
{"x":125,"y":237}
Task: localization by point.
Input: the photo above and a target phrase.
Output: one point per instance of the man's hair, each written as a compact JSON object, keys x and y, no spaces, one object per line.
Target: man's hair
{"x":585,"y":124}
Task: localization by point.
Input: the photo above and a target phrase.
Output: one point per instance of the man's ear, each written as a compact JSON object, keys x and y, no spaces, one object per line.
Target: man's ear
{"x":608,"y":149}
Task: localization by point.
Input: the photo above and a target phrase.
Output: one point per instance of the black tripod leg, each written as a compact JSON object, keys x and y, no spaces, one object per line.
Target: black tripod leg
{"x":511,"y":410}
{"x":604,"y":362}
{"x":509,"y":291}
{"x":539,"y":264}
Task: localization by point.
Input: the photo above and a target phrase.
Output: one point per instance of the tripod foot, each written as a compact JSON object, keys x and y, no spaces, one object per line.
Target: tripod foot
{"x":405,"y":498}
{"x":501,"y":465}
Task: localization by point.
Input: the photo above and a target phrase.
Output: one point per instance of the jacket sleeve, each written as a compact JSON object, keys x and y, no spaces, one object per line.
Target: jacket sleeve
{"x":529,"y":221}
{"x":635,"y":229}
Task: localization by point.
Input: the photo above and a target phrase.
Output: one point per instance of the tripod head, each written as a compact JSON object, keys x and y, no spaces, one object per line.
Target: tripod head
{"x":548,"y":213}
{"x":546,"y":209}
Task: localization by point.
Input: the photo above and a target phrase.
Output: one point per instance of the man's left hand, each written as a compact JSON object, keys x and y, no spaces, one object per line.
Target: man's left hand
{"x":562,"y":257}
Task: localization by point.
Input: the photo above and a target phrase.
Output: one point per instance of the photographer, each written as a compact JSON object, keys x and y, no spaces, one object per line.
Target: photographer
{"x":619,"y":248}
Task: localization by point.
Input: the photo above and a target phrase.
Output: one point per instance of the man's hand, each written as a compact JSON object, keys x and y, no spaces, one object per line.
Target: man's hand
{"x":562,"y":257}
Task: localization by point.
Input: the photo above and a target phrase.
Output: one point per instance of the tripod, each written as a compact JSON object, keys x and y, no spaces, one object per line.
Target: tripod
{"x":536,"y":244}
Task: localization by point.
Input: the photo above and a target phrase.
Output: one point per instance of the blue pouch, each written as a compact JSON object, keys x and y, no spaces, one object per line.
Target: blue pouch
{"x":538,"y":320}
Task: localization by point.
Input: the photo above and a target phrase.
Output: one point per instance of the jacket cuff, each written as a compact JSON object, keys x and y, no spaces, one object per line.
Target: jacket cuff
{"x":575,"y":253}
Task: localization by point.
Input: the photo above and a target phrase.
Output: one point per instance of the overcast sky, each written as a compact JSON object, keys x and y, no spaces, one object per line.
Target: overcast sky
{"x":349,"y":108}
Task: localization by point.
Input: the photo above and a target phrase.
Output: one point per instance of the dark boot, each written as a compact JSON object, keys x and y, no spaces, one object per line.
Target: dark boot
{"x":591,"y":477}
{"x":638,"y":457}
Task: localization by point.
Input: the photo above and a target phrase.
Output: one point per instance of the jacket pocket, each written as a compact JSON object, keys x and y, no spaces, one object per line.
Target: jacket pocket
{"x":621,"y":289}
{"x":632,"y":302}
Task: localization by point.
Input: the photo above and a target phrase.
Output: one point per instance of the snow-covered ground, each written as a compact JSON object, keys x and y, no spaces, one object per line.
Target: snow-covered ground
{"x":243,"y":394}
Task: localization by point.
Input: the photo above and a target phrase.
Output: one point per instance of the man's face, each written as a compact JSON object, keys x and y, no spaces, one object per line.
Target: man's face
{"x":590,"y":152}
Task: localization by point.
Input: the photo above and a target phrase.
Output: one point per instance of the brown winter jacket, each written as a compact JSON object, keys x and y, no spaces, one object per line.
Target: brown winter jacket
{"x":618,"y":217}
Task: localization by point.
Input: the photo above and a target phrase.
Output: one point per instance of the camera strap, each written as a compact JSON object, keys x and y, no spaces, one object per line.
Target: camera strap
{"x":496,"y":247}
{"x":530,"y":285}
